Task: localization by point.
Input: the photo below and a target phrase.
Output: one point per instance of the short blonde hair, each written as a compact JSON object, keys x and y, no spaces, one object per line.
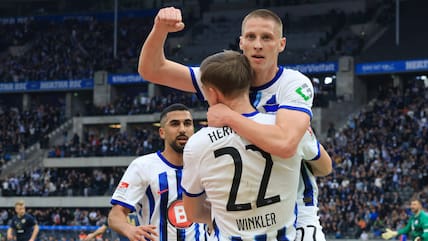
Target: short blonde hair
{"x":265,"y":14}
{"x":20,"y":203}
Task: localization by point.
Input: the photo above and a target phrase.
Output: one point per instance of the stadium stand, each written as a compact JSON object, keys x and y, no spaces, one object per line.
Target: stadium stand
{"x":411,"y":39}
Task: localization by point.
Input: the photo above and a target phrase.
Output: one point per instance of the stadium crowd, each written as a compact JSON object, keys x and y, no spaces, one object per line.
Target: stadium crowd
{"x":45,"y":182}
{"x":61,"y":216}
{"x":20,"y":129}
{"x":135,"y":143}
{"x":72,"y":49}
{"x":377,"y":160}
{"x":142,"y":104}
{"x":42,"y":49}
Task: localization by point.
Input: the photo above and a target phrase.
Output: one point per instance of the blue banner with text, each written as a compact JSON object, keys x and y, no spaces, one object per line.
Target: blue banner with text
{"x":386,"y":67}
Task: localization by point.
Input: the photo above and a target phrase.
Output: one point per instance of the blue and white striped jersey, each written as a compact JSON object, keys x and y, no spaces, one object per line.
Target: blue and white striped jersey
{"x":252,"y":193}
{"x":289,"y":89}
{"x":307,"y":198}
{"x":151,"y":187}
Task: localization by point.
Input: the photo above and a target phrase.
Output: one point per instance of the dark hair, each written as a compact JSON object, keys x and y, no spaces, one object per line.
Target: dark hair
{"x":173,"y":107}
{"x":229,"y":71}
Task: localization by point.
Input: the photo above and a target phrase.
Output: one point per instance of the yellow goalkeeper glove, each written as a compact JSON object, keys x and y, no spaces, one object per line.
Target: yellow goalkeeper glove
{"x":389,"y":234}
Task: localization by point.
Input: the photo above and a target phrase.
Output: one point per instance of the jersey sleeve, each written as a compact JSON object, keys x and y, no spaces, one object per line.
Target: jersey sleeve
{"x":310,"y":146}
{"x":195,"y":74}
{"x":32,"y":221}
{"x":131,"y":187}
{"x":406,"y":229}
{"x":10,"y":223}
{"x":191,"y":181}
{"x":297,"y":93}
{"x":424,"y":220}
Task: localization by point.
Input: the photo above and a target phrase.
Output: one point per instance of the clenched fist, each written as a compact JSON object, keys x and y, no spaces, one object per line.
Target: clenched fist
{"x":169,"y":19}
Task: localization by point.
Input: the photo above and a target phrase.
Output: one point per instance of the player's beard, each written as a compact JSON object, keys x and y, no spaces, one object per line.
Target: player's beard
{"x":414,"y":210}
{"x":176,"y":146}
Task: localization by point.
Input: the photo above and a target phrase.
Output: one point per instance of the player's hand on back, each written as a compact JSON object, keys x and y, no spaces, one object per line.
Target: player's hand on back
{"x":217,"y":115}
{"x":169,"y":19}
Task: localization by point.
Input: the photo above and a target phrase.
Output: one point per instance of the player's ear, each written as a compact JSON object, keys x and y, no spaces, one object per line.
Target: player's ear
{"x":282,"y":44}
{"x":161,"y":133}
{"x":216,"y":95}
{"x":240,"y":42}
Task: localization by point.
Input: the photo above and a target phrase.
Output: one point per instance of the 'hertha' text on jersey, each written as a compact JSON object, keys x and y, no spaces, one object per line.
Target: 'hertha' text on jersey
{"x":219,"y":133}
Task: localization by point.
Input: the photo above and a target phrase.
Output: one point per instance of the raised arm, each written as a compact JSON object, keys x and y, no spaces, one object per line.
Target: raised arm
{"x":153,"y":65}
{"x":280,"y":139}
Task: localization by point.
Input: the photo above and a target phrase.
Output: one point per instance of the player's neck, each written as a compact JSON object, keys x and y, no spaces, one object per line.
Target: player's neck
{"x":264,"y":76}
{"x":417,"y":213}
{"x":240,"y":104}
{"x":173,"y":157}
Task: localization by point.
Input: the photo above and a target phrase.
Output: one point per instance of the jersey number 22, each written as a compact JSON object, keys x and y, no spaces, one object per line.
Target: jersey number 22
{"x":237,"y":160}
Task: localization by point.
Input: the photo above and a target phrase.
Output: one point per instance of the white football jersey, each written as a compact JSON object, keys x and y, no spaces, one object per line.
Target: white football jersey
{"x":252,"y":193}
{"x":307,"y":199}
{"x":151,"y":188}
{"x":289,"y":89}
{"x":308,"y":225}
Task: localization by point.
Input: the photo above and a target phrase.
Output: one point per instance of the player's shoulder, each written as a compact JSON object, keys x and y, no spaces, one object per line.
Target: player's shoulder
{"x":28,"y":216}
{"x":195,"y":71}
{"x":210,"y":136}
{"x":201,"y":137}
{"x":263,"y":118}
{"x":291,"y":72}
{"x":145,"y":159}
{"x":198,"y":143}
{"x":293,"y":75}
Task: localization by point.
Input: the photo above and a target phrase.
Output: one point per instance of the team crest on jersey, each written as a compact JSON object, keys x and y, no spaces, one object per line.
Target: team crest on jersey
{"x":271,"y":105}
{"x":177,"y":216}
{"x":305,"y":92}
{"x":18,"y":224}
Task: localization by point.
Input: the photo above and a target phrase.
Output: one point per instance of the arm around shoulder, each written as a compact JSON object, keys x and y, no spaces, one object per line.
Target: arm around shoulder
{"x":280,"y":139}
